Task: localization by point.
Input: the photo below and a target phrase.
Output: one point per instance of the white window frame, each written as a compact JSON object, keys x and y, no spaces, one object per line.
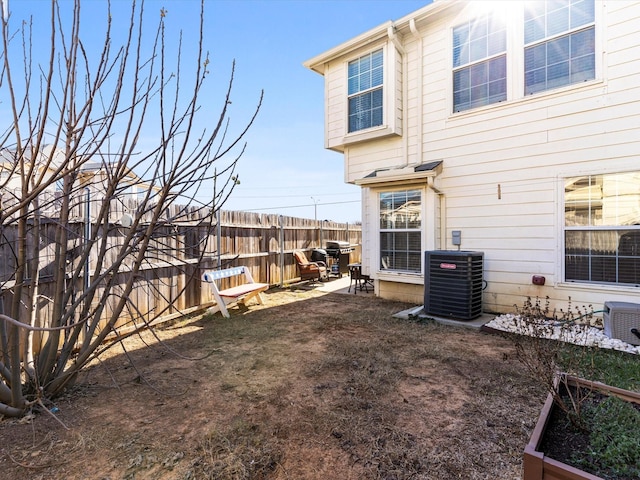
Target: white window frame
{"x":471,"y":63}
{"x":548,"y":38}
{"x":375,"y":260}
{"x":371,"y":89}
{"x":562,"y":254}
{"x":515,"y":59}
{"x":392,"y":96}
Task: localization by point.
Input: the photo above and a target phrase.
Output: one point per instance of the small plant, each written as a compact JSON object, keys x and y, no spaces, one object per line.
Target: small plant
{"x":543,"y":346}
{"x":602,"y":430}
{"x":614,"y":427}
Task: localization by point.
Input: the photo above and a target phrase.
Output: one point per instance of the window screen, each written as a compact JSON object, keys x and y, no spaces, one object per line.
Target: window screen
{"x":400,"y":230}
{"x":602,"y":228}
{"x":365,"y":78}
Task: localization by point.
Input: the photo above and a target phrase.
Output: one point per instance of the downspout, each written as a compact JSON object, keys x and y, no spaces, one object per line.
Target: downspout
{"x":391,"y":33}
{"x":443,"y":213}
{"x":420,"y":66}
{"x":419,"y":129}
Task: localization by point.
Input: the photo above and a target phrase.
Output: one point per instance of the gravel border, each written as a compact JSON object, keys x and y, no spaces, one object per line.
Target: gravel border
{"x":576,"y":334}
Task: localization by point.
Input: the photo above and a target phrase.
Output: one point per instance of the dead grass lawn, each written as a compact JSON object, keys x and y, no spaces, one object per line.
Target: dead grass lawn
{"x":309,"y":386}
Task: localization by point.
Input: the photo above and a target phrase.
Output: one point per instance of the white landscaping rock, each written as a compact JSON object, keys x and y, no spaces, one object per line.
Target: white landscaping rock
{"x":577,"y":334}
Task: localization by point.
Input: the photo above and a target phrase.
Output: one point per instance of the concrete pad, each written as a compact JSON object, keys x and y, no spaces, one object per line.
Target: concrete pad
{"x":341,"y":285}
{"x":419,"y":312}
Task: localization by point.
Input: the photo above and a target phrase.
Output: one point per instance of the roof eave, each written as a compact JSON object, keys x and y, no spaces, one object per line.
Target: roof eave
{"x":317,"y":63}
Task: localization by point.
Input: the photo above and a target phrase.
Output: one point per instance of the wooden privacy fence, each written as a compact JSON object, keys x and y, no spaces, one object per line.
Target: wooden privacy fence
{"x":265,"y":243}
{"x":170,"y":282}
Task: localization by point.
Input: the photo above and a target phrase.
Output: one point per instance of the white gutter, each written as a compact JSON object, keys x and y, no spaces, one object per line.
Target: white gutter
{"x":418,"y":37}
{"x":375,"y":34}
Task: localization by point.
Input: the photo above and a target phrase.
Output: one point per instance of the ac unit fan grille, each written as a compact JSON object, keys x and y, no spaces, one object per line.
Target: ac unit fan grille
{"x":453,"y":284}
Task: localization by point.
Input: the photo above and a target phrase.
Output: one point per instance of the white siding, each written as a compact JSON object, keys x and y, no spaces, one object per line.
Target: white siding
{"x":336,"y":115}
{"x":503,"y":164}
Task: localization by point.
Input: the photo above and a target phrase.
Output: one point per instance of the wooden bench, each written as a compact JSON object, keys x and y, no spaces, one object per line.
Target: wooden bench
{"x":240,"y":293}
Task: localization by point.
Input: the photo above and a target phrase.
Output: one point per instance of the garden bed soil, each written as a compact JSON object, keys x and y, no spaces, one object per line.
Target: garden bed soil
{"x":566,"y":442}
{"x":310,"y":385}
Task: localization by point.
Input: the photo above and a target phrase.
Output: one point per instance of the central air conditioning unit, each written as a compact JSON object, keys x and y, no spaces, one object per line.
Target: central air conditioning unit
{"x":622,"y":321}
{"x":453,"y":283}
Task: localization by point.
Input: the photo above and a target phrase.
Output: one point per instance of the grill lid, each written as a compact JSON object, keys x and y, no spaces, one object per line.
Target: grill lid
{"x":338,"y":245}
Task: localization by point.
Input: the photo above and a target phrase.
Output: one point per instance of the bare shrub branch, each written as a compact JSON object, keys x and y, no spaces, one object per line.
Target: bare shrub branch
{"x":98,"y":132}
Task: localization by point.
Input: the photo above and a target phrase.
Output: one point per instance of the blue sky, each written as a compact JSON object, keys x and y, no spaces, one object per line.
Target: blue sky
{"x":285,"y":169}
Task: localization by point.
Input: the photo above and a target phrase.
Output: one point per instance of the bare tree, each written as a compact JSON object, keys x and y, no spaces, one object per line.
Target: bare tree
{"x":71,"y":154}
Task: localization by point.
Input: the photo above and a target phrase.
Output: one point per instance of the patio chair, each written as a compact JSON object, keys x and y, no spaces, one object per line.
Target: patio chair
{"x":310,"y":270}
{"x":359,"y":279}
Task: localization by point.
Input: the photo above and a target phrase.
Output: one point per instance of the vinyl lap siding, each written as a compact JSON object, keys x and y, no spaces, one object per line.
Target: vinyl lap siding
{"x":522,"y":149}
{"x":364,"y":158}
{"x":335,"y":116}
{"x":504,"y":164}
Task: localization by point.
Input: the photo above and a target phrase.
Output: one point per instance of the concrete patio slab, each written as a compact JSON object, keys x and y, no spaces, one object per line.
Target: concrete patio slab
{"x":341,"y":285}
{"x":419,"y":312}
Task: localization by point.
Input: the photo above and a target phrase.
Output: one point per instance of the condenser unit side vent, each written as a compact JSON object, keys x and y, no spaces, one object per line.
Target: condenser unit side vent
{"x":622,"y":321}
{"x":453,"y":283}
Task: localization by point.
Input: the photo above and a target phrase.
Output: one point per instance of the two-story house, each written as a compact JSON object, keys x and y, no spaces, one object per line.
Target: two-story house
{"x":510,"y":128}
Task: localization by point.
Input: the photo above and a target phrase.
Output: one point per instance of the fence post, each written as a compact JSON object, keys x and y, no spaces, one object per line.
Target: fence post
{"x":87,"y":239}
{"x":219,"y":238}
{"x":281,"y":222}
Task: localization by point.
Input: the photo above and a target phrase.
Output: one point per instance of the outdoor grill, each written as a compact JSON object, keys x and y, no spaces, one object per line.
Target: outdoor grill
{"x":341,"y":252}
{"x":319,"y":255}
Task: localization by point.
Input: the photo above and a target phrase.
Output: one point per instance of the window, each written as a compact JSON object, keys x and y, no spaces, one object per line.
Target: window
{"x":365,"y":91}
{"x":602,"y":228}
{"x":479,"y":63}
{"x":559,"y":39}
{"x":400,"y":230}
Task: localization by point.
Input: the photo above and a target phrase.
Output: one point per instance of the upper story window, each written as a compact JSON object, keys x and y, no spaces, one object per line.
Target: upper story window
{"x":602,"y":228}
{"x":559,"y":39}
{"x":479,"y":63}
{"x":365,"y":91}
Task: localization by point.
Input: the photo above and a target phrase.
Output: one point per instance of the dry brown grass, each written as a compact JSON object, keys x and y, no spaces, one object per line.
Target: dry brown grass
{"x":309,"y":386}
